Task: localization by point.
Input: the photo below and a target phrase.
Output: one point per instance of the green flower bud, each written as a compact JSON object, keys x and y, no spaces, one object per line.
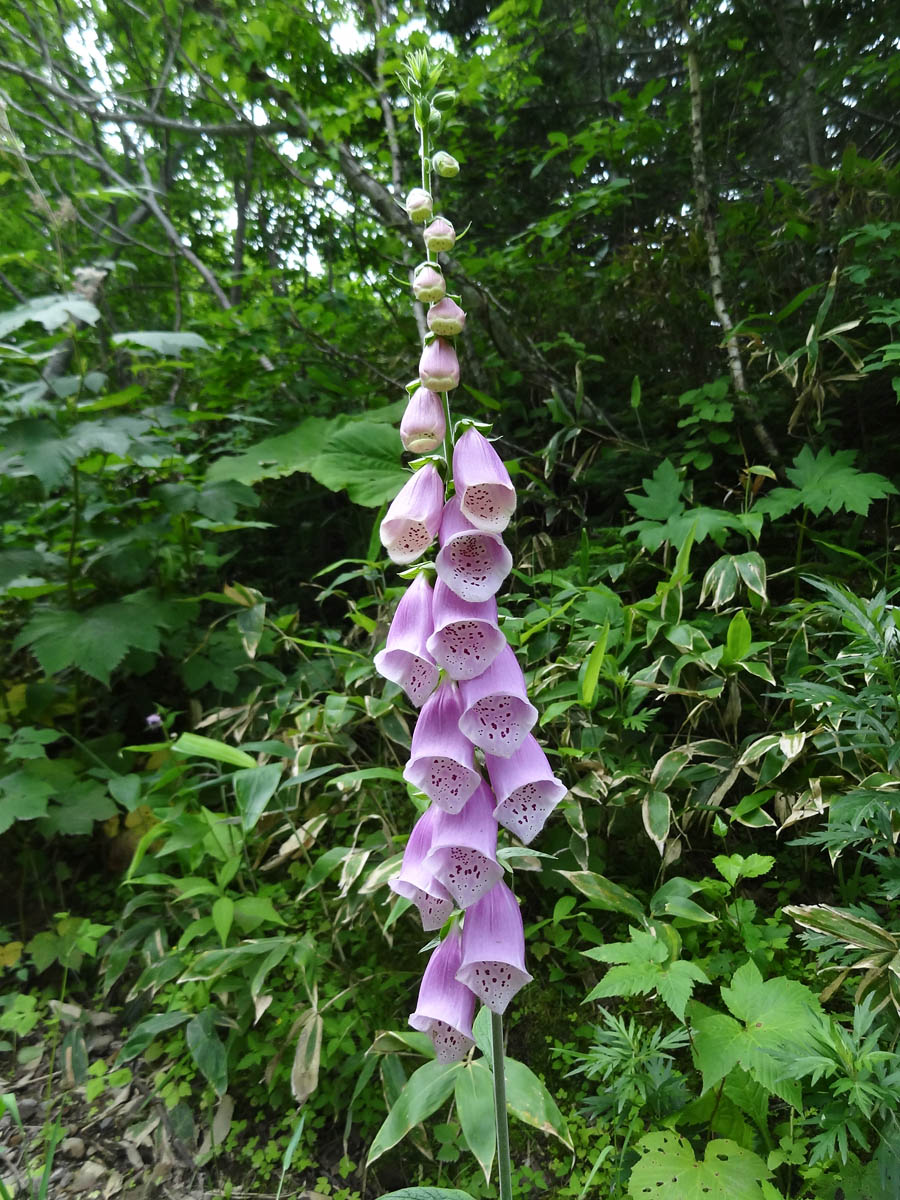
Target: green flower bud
{"x":445,"y":164}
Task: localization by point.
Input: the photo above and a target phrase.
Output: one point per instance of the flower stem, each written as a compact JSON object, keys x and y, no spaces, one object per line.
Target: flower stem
{"x":504,"y":1170}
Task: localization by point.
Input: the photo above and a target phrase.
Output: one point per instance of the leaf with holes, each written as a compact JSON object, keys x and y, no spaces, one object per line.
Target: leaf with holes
{"x":667,"y":1167}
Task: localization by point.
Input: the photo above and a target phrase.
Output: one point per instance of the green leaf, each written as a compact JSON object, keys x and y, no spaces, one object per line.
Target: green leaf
{"x":207,"y":1050}
{"x":426,"y":1193}
{"x":364,"y":459}
{"x":96,"y":640}
{"x":424,"y":1092}
{"x":847,"y":927}
{"x":204,"y":747}
{"x":663,"y":494}
{"x":51,"y":311}
{"x":667,"y":1168}
{"x":277,"y":456}
{"x":736,"y":866}
{"x":738,"y":640}
{"x":605,"y":893}
{"x":592,"y":671}
{"x":307,"y":1058}
{"x":827,"y":480}
{"x":145,"y":1032}
{"x":223,"y":916}
{"x":23,"y":797}
{"x":474,"y":1097}
{"x":163,"y":341}
{"x":254,"y":788}
{"x":529,"y":1100}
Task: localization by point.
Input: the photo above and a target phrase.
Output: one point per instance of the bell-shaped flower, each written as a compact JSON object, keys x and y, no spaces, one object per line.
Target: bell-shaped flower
{"x":527,"y":791}
{"x":487,"y":497}
{"x":445,"y":1007}
{"x":423,"y":426}
{"x":493,"y":949}
{"x":428,"y":284}
{"x":439,"y":235}
{"x":405,"y":660}
{"x":442,"y":762}
{"x":414,"y":516}
{"x":419,"y":205}
{"x":445,"y":164}
{"x":463,"y":854}
{"x":498,"y":714}
{"x":471,"y":562}
{"x":439,"y":366}
{"x":446,"y":318}
{"x":416,"y":883}
{"x":466,"y":638}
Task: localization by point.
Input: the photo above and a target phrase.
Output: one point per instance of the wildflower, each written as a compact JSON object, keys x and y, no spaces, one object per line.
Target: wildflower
{"x":419,"y":205}
{"x":414,"y":517}
{"x":446,"y":318}
{"x":527,"y":791}
{"x":416,"y":883}
{"x":445,"y":164}
{"x":428,"y":284}
{"x":445,"y":1007}
{"x":498,"y":714}
{"x":439,"y":366}
{"x":466,"y":639}
{"x":487,"y":497}
{"x":423,"y":426}
{"x":493,"y":949}
{"x":405,"y":660}
{"x":463,"y":855}
{"x":442,"y":762}
{"x":439,"y":235}
{"x":473,"y":564}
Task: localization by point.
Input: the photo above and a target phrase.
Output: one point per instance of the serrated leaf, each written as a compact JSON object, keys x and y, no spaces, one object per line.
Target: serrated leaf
{"x":735,"y":866}
{"x":667,"y":1167}
{"x":95,"y":641}
{"x":364,"y":460}
{"x":663,"y":494}
{"x":827,"y":480}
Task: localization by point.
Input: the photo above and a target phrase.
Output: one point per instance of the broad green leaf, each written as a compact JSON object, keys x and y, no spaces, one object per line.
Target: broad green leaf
{"x":203,"y":747}
{"x":474,"y":1096}
{"x":276,"y":456}
{"x":738,"y":639}
{"x":847,"y":927}
{"x":223,"y":916}
{"x":605,"y":893}
{"x":826,"y":480}
{"x":735,"y":866}
{"x":207,"y":1050}
{"x":656,"y":812}
{"x":305,"y":1069}
{"x":667,"y":1168}
{"x":529,"y":1100}
{"x":663,"y":494}
{"x":167,"y":342}
{"x":364,"y":459}
{"x":254,"y":787}
{"x":145,"y":1032}
{"x":424,"y":1092}
{"x":23,"y":797}
{"x":51,"y":311}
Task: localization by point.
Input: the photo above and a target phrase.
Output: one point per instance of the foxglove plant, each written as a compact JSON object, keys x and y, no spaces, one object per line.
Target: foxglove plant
{"x":446,"y":650}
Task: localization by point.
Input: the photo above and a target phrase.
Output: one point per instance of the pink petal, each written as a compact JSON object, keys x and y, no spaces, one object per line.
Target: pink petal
{"x":472,"y":563}
{"x":441,"y":763}
{"x":498,"y":714}
{"x":486,"y":494}
{"x":527,"y":791}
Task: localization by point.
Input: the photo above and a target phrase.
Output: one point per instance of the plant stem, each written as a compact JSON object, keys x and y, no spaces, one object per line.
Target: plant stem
{"x":504,"y":1170}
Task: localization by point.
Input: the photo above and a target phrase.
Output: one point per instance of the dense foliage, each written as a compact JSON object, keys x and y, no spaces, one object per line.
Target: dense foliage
{"x":683,"y":285}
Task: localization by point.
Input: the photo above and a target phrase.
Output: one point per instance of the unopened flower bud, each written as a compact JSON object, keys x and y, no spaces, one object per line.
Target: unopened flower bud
{"x":439,"y":366}
{"x":419,"y":205}
{"x":439,"y":235}
{"x":446,"y":318}
{"x":423,"y":426}
{"x":428,"y":284}
{"x":445,"y":164}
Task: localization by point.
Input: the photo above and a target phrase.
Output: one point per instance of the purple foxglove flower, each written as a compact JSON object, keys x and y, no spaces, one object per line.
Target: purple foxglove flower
{"x":445,"y":1007}
{"x":439,"y":235}
{"x":446,"y":318}
{"x":497,"y":714}
{"x":445,"y":164}
{"x":428,"y":284}
{"x":527,"y":791}
{"x":487,"y":497}
{"x":439,"y":366}
{"x":423,"y":426}
{"x":493,"y":949}
{"x":463,"y":855}
{"x":416,"y":882}
{"x":471,"y":563}
{"x":405,"y":660}
{"x":419,"y":205}
{"x":414,"y":517}
{"x":441,"y":762}
{"x":466,"y":639}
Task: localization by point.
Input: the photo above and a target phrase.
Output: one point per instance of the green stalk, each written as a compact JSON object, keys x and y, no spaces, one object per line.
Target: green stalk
{"x":504,"y":1169}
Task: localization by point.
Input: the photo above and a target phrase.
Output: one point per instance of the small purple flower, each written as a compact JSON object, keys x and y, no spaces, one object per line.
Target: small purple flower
{"x":498,"y":714}
{"x":416,"y":883}
{"x":423,"y":426}
{"x":153,"y":721}
{"x":446,"y":318}
{"x":405,"y":660}
{"x":442,"y":762}
{"x":414,"y":517}
{"x":463,"y":854}
{"x":419,"y":205}
{"x":439,"y":235}
{"x":466,"y":639}
{"x":487,"y":497}
{"x":473,"y":564}
{"x":428,"y":284}
{"x":445,"y":1007}
{"x":439,"y":366}
{"x":493,"y":949}
{"x":527,"y":791}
